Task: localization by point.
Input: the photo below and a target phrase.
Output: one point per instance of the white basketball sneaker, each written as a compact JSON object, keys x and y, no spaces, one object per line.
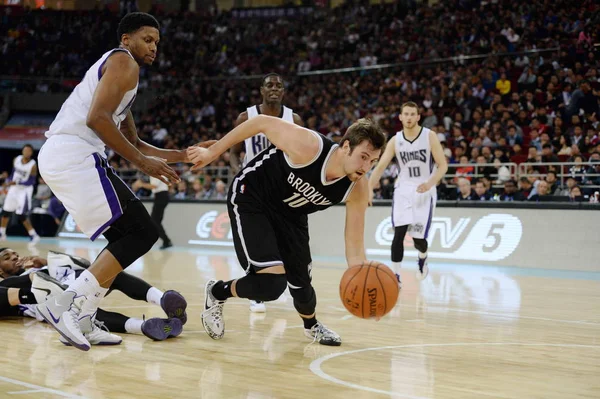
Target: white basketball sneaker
{"x":257,"y":307}
{"x":212,"y":316}
{"x":96,"y":333}
{"x":43,"y":287}
{"x":62,"y":314}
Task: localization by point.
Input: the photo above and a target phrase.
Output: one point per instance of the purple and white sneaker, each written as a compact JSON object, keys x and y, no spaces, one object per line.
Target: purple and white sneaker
{"x":399,"y":280}
{"x":174,"y":305}
{"x":160,"y":329}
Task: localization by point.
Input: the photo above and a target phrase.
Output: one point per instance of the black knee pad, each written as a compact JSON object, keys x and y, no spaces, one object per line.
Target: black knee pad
{"x":261,"y":287}
{"x":420,"y":244}
{"x":6,"y":214}
{"x":132,"y":235}
{"x":305,"y":300}
{"x":22,"y":218}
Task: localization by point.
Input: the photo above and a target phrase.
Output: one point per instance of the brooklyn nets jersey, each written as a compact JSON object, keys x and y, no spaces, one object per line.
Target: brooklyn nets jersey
{"x":271,"y":180}
{"x":256,"y":144}
{"x":71,"y":118}
{"x":414,"y":158}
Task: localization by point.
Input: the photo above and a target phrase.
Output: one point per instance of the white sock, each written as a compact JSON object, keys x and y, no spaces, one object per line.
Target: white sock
{"x":154,"y":295}
{"x":85,"y":285}
{"x":396,"y":267}
{"x":2,"y":231}
{"x":134,"y":326}
{"x":92,"y":302}
{"x":32,"y":233}
{"x":422,"y":255}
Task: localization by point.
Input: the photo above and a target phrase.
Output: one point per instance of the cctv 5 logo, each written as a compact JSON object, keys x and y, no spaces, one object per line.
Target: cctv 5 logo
{"x":491,"y":238}
{"x":214,"y":225}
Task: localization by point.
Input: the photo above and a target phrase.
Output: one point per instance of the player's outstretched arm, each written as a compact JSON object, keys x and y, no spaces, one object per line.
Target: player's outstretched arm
{"x":119,"y":76}
{"x":354,"y":231}
{"x":383,"y":163}
{"x":440,"y":159}
{"x":171,"y":156}
{"x":300,"y":144}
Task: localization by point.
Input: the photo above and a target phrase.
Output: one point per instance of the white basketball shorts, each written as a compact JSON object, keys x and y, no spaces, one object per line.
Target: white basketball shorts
{"x":80,"y":177}
{"x":413,"y":209}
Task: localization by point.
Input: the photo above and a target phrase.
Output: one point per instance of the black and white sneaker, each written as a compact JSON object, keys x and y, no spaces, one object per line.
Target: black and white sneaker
{"x":323,"y":335}
{"x":212,"y":316}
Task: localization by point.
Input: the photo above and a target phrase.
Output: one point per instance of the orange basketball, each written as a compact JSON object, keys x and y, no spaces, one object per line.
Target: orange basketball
{"x":369,"y":290}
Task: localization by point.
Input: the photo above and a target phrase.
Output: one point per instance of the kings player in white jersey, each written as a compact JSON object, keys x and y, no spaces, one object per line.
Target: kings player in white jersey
{"x":422,"y":165}
{"x":272,"y":91}
{"x":73,"y":164}
{"x":20,"y":192}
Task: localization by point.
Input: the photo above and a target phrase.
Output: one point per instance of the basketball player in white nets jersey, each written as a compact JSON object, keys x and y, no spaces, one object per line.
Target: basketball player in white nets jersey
{"x":73,"y":163}
{"x":20,"y":193}
{"x":272,"y":91}
{"x":417,"y":150}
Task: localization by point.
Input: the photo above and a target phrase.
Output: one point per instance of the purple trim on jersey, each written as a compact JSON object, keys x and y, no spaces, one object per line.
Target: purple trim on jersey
{"x":429,"y":218}
{"x":111,"y":197}
{"x":128,"y":105}
{"x":29,"y":182}
{"x":104,"y":62}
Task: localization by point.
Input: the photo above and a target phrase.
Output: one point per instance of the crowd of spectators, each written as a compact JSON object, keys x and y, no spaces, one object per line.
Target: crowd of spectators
{"x":522,"y":83}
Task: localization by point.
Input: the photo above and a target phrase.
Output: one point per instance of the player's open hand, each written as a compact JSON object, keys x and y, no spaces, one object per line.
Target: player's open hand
{"x":203,"y":144}
{"x":200,"y":157}
{"x":423,"y":188}
{"x":29,"y":262}
{"x":157,"y":167}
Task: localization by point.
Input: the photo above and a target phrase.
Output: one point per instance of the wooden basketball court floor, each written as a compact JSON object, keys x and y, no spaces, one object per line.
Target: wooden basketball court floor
{"x":464,"y":332}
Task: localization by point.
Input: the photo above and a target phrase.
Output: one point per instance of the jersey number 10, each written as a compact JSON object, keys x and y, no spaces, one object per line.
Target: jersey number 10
{"x":295,"y":201}
{"x":414,"y":171}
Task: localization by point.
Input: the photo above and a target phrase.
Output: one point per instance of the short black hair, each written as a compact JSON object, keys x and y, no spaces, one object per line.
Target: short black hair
{"x":267,"y":76}
{"x":27,"y":145}
{"x":547,"y":146}
{"x":134,"y":21}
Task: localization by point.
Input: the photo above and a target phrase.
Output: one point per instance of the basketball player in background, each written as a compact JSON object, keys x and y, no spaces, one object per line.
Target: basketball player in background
{"x":302,"y":172}
{"x":25,"y":281}
{"x":20,"y":193}
{"x":272,"y":91}
{"x":73,"y":164}
{"x":417,"y":150}
{"x":161,"y":199}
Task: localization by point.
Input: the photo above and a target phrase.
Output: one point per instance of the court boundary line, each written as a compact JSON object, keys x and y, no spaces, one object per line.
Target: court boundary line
{"x":315,"y":365}
{"x":38,"y":388}
{"x":432,"y":307}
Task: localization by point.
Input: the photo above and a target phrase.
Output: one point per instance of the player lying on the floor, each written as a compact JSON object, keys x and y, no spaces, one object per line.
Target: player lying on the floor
{"x":26,"y":281}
